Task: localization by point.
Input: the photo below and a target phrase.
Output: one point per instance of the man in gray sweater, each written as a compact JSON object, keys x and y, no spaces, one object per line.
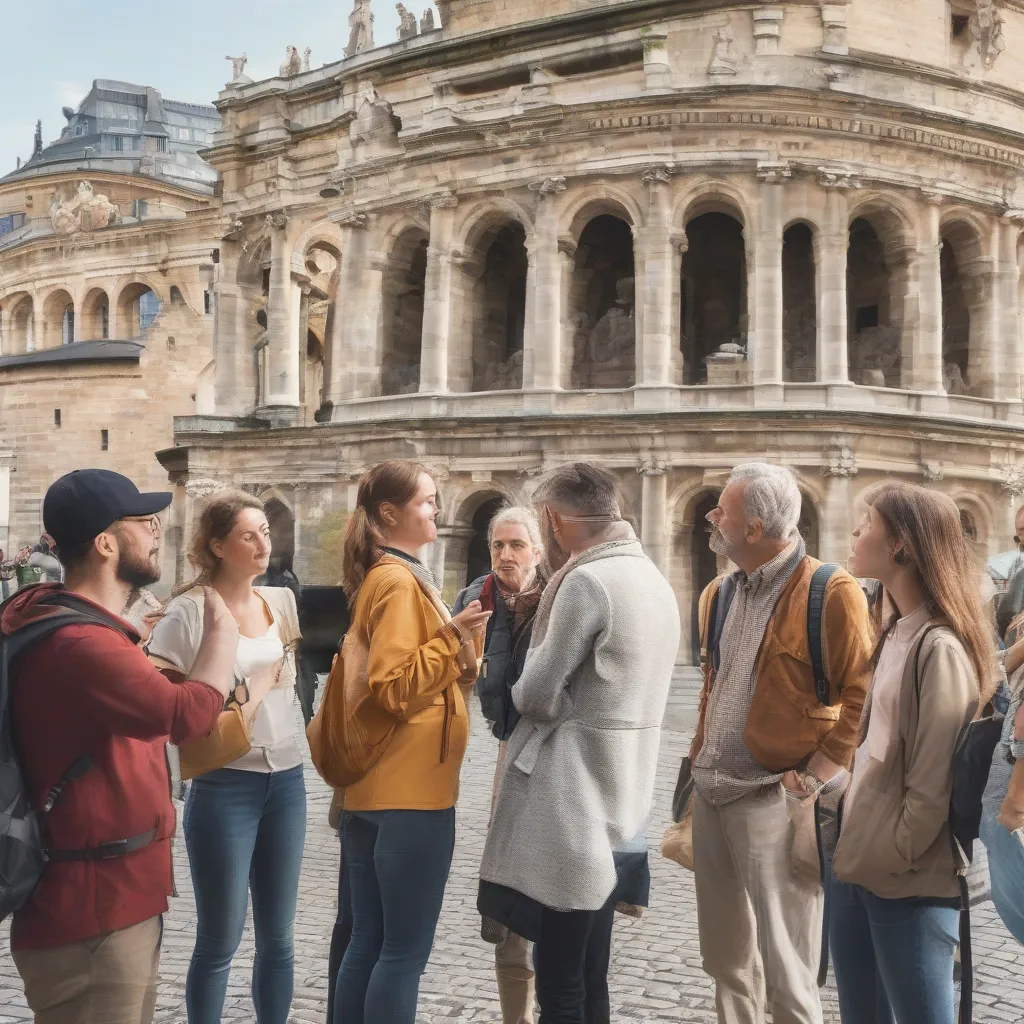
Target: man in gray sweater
{"x":567,"y":838}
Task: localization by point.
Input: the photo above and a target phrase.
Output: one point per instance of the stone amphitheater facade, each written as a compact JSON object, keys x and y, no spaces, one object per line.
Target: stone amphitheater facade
{"x":665,"y":235}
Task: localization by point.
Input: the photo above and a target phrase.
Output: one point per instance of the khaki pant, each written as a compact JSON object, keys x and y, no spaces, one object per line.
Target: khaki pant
{"x":759,"y":926}
{"x":513,"y":964}
{"x":110,"y":979}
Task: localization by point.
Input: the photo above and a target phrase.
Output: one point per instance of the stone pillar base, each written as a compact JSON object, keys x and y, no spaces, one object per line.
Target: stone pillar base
{"x":279,"y":415}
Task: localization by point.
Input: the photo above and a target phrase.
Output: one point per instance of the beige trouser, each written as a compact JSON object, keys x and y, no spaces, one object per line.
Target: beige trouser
{"x":513,"y":964}
{"x":107,"y":980}
{"x":758,"y":925}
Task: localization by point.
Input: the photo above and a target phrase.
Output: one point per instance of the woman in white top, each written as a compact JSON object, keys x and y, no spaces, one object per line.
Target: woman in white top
{"x":895,"y":899}
{"x":244,"y":823}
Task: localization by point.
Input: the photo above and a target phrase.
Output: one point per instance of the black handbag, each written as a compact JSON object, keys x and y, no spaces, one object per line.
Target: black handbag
{"x":684,"y":791}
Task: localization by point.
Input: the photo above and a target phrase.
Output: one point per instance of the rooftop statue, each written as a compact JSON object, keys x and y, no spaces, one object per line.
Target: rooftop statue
{"x":361,"y":25}
{"x":292,"y":62}
{"x":238,"y":66}
{"x":407,"y":28}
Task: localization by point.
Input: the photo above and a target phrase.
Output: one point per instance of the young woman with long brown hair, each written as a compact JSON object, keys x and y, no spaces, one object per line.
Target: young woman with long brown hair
{"x":894,"y":911}
{"x":398,"y":824}
{"x":245,"y":822}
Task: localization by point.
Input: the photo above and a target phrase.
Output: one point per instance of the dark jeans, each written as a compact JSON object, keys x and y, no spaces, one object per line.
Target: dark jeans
{"x":341,"y":936}
{"x":244,"y":831}
{"x":571,"y":960}
{"x":398,"y":863}
{"x":893,"y":959}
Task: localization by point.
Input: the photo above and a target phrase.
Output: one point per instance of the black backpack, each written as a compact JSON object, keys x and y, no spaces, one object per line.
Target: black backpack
{"x":972,"y":760}
{"x":22,"y":852}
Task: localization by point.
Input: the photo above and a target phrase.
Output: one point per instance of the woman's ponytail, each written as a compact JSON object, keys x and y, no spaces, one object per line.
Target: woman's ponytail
{"x":393,"y":482}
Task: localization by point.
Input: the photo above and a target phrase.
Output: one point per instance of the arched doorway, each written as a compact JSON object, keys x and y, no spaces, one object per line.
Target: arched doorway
{"x":963,"y":309}
{"x":282,"y":533}
{"x":603,"y":306}
{"x":808,"y":526}
{"x":875,"y":310}
{"x":405,"y":282}
{"x":713,"y":291}
{"x":703,"y":565}
{"x":478,"y":558}
{"x":137,"y":308}
{"x":799,"y":305}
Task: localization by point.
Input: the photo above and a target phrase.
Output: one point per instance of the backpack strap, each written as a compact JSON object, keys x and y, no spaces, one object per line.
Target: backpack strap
{"x":719,"y":613}
{"x":815,"y":614}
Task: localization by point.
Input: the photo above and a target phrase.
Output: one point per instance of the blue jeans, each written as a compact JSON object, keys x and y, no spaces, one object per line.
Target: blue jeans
{"x":244,"y":831}
{"x":893,"y":959}
{"x":397,"y":863}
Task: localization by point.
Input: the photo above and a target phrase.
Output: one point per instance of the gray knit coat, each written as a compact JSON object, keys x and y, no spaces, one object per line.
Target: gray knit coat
{"x":578,"y":777}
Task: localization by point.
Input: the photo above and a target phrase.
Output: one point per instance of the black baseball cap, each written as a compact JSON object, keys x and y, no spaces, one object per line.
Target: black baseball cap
{"x":82,"y":504}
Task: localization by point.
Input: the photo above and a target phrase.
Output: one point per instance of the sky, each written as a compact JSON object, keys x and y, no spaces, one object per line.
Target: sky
{"x":55,"y":48}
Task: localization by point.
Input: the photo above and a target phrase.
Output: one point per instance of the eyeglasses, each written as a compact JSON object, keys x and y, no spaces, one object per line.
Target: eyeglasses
{"x":153,"y":522}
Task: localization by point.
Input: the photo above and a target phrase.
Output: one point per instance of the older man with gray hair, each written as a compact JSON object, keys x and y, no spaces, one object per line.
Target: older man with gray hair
{"x":567,"y":840}
{"x":764,"y":739}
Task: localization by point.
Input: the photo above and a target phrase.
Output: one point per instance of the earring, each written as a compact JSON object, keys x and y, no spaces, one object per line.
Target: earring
{"x":900,"y":558}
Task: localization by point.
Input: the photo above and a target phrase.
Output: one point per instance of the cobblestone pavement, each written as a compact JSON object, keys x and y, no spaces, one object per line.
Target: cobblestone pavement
{"x":655,"y":975}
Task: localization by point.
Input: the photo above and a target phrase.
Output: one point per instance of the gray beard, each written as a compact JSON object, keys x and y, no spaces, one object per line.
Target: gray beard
{"x":720,"y":544}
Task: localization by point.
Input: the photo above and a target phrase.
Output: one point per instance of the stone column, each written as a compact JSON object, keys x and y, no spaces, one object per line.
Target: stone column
{"x":438,"y":298}
{"x":37,"y":329}
{"x":837,"y":524}
{"x":653,"y":511}
{"x":353,"y":366}
{"x":984,"y":360}
{"x":832,"y":359}
{"x":283,"y":363}
{"x":654,"y":343}
{"x":1010,"y":386}
{"x":925,"y":370}
{"x":767,"y":292}
{"x":543,"y":357}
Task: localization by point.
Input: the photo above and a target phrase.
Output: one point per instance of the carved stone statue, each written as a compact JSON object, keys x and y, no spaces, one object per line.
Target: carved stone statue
{"x":953,"y":379}
{"x":292,"y":62}
{"x":986,"y":29}
{"x":84,"y":211}
{"x":605,"y":357}
{"x":427,"y":21}
{"x":723,"y":53}
{"x":305,"y":58}
{"x":238,"y":65}
{"x":875,"y":357}
{"x":407,"y":28}
{"x":360,"y":29}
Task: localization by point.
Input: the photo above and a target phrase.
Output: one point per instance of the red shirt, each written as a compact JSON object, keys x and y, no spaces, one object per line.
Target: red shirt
{"x":90,"y":690}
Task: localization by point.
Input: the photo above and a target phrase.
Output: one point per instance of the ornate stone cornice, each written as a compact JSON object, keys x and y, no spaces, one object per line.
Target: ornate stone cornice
{"x":548,"y":186}
{"x":680,"y":241}
{"x":837,"y":177}
{"x":840,"y":459}
{"x":658,"y":174}
{"x":446,"y":199}
{"x":933,"y":472}
{"x":774,"y":172}
{"x":276,"y":221}
{"x":1012,"y":481}
{"x":652,"y":465}
{"x":355,"y":219}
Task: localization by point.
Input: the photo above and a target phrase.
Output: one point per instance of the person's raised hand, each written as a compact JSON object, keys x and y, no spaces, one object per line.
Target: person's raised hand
{"x":471,"y":621}
{"x":216,"y":616}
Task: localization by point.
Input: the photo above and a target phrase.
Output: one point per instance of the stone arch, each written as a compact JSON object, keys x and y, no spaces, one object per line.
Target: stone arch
{"x":491,"y":292}
{"x":596,"y":201}
{"x":602,"y":302}
{"x":96,"y":315}
{"x":17,"y":324}
{"x":799,"y":303}
{"x":481,"y":218}
{"x":138,"y":305}
{"x":714,"y":196}
{"x":404,"y":290}
{"x":878,"y":291}
{"x":810,"y":523}
{"x":58,"y":319}
{"x":323,"y":234}
{"x":281,"y":518}
{"x":978,"y":513}
{"x":693,"y":564}
{"x":713,"y":290}
{"x":962,"y":266}
{"x":467,"y":555}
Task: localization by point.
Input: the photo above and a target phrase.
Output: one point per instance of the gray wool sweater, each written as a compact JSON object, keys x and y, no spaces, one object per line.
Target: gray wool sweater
{"x":578,"y":777}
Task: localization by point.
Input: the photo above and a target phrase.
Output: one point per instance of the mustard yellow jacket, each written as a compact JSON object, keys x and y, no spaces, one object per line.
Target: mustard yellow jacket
{"x":413,"y":672}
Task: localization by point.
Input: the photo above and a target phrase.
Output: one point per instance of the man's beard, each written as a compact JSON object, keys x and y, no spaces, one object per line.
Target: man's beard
{"x":720,"y":543}
{"x":134,"y":568}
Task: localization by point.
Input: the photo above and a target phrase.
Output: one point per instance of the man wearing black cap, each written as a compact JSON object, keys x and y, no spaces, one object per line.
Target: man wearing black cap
{"x":87,"y":941}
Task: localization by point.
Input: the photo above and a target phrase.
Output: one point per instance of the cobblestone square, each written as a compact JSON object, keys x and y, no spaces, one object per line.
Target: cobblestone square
{"x":656,"y":974}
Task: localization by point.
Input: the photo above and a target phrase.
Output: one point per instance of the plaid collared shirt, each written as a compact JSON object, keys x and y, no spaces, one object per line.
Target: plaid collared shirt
{"x":725,"y":770}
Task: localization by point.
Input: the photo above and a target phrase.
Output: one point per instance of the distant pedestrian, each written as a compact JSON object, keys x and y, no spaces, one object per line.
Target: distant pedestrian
{"x":245,"y":812}
{"x":764,"y":742}
{"x":43,"y":558}
{"x":512,"y":591}
{"x":895,"y":904}
{"x":405,"y":663}
{"x":90,"y":717}
{"x":567,"y":837}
